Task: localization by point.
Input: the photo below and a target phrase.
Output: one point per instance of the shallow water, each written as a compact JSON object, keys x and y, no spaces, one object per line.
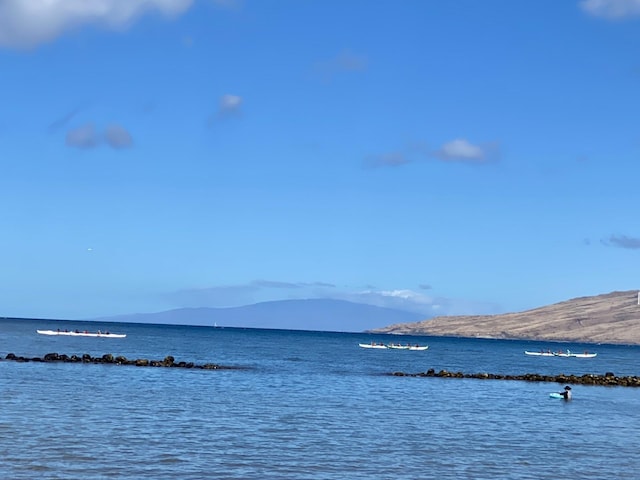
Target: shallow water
{"x":306,"y":405}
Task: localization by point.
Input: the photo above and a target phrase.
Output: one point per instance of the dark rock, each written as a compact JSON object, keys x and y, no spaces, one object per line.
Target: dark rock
{"x":588,"y":379}
{"x":168,"y":361}
{"x":108,"y":358}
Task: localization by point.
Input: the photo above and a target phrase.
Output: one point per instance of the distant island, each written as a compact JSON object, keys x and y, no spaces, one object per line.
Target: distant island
{"x":612,"y":318}
{"x":309,"y":314}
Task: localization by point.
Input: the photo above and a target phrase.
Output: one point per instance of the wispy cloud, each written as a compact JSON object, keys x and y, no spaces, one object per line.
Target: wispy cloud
{"x":458,"y":150}
{"x":416,"y":302}
{"x":274,"y":284}
{"x":64,"y":120}
{"x":393,"y":159}
{"x":83,"y":137}
{"x":623,"y":241}
{"x":118,"y":137}
{"x":229,"y":105}
{"x":461,"y":150}
{"x":87,"y":136}
{"x":318,"y":284}
{"x":611,"y":9}
{"x":407,"y":300}
{"x":346,"y":61}
{"x":28,"y":23}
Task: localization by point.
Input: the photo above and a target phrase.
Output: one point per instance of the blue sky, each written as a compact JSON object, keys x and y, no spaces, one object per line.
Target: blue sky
{"x":445,"y":157}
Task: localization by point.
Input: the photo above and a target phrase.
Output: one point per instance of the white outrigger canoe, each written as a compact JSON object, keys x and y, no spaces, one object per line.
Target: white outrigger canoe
{"x":561,"y":354}
{"x":82,"y":334}
{"x":373,"y":345}
{"x":576,"y":355}
{"x":392,"y":346}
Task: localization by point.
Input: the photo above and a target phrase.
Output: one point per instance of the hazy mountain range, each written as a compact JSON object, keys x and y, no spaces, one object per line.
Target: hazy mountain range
{"x":312,"y":314}
{"x":609,"y":318}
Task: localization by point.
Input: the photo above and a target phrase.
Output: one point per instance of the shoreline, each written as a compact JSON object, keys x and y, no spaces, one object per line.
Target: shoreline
{"x":498,"y":338}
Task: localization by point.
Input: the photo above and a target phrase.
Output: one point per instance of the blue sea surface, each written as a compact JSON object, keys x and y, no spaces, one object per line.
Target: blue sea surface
{"x":306,"y":405}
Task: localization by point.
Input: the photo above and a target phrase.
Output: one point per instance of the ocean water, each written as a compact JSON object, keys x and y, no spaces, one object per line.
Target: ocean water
{"x":306,"y":405}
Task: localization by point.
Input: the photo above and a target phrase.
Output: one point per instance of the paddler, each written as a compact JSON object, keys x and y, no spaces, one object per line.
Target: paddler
{"x":567,"y":393}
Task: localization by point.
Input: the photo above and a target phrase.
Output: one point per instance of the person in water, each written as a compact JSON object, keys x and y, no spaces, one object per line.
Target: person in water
{"x":567,"y":393}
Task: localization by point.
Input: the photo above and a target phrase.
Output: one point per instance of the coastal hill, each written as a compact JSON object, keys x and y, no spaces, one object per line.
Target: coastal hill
{"x":609,"y":318}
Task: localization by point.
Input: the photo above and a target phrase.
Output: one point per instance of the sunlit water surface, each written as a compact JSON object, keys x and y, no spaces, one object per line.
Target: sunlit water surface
{"x":306,"y":405}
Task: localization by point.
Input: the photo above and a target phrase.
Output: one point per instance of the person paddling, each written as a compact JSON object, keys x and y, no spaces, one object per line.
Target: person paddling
{"x":567,"y":393}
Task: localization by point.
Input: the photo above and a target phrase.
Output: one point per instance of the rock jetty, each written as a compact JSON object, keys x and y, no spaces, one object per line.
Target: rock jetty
{"x":110,"y":359}
{"x":609,"y":379}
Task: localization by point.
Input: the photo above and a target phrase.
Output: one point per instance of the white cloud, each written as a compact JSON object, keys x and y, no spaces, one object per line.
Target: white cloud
{"x":345,"y":61}
{"x":118,"y":137}
{"x":612,"y":9}
{"x":87,"y":136}
{"x":83,"y":137}
{"x":229,"y":105}
{"x":458,"y":150}
{"x":27,"y":23}
{"x":406,"y":300}
{"x":462,"y":150}
{"x":623,"y":241}
{"x":393,"y":159}
{"x":427,"y":305}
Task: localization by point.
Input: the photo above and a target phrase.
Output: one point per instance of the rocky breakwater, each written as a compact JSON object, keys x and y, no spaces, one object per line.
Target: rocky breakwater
{"x":608,"y":379}
{"x":110,"y":359}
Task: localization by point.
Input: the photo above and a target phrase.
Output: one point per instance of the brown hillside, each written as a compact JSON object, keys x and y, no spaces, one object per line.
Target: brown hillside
{"x":608,"y":318}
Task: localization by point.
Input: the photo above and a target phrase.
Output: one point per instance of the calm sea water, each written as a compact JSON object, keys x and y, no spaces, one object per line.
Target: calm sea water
{"x":306,"y":405}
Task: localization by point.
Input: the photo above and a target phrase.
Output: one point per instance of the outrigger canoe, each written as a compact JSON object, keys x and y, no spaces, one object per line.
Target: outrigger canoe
{"x":561,"y":354}
{"x":392,"y":346}
{"x":576,"y":355}
{"x":373,"y":345}
{"x":82,"y":334}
